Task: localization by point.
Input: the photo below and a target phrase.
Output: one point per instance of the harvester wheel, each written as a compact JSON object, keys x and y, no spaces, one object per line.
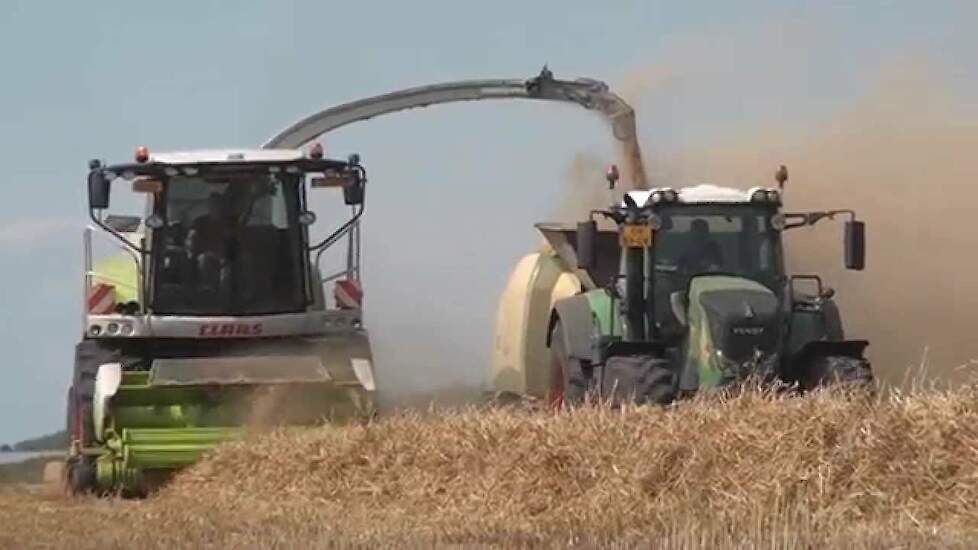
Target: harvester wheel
{"x":89,"y":355}
{"x":78,"y":472}
{"x":638,"y":379}
{"x":79,"y":476}
{"x":569,"y":380}
{"x":831,"y":370}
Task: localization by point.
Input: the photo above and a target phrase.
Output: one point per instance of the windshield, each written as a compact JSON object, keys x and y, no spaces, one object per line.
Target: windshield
{"x":694,"y":239}
{"x":231,"y":245}
{"x":719,"y":238}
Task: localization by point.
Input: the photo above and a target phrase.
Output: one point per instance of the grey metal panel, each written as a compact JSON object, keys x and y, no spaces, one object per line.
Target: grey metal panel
{"x":578,"y":322}
{"x":562,"y":238}
{"x":272,"y":369}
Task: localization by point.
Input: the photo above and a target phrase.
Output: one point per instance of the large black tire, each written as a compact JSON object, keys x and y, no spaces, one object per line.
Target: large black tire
{"x":832,"y":370}
{"x":570,"y":378}
{"x":89,"y":355}
{"x":638,"y":379}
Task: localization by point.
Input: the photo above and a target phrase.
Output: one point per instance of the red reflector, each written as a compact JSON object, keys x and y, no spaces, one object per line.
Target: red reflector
{"x":101,"y":299}
{"x":142,"y":153}
{"x":316,"y":151}
{"x":348,"y":294}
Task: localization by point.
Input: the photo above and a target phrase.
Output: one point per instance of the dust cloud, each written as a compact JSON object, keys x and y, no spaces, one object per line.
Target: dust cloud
{"x":905,"y":158}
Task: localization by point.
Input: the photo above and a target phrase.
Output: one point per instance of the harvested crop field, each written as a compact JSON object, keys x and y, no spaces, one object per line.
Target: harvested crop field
{"x":751,"y":471}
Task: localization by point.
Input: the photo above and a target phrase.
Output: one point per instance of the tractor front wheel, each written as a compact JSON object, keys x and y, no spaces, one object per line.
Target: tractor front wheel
{"x":638,"y":379}
{"x":832,"y":370}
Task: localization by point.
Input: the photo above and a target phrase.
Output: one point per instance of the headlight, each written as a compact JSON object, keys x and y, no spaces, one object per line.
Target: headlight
{"x":774,"y":196}
{"x":655,"y":222}
{"x":155,"y":222}
{"x":759,"y":196}
{"x":656,"y":196}
{"x":112,"y":328}
{"x":670,"y":195}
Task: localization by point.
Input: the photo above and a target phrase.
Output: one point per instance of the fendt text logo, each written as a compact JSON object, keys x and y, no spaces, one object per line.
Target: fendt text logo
{"x":751,"y":331}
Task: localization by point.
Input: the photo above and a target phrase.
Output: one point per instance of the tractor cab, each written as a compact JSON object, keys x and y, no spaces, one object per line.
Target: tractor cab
{"x":698,"y":297}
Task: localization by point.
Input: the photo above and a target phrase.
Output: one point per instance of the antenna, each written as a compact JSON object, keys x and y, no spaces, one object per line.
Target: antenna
{"x":612,"y":175}
{"x":781,"y":176}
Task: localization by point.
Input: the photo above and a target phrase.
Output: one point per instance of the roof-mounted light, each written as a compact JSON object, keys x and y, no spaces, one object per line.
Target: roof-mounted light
{"x":663,"y":196}
{"x":772,"y":196}
{"x":655,"y":222}
{"x":612,"y":176}
{"x":142,"y":154}
{"x":316,"y":151}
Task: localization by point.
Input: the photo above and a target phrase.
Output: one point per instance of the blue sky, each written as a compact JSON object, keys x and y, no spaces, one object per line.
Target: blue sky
{"x":454,"y":190}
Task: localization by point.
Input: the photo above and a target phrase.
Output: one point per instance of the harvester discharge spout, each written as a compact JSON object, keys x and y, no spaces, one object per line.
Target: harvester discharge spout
{"x":590,"y":94}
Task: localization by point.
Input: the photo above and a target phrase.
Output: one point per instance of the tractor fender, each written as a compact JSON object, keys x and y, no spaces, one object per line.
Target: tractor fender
{"x":577,"y":319}
{"x":822,"y":348}
{"x":107,"y":381}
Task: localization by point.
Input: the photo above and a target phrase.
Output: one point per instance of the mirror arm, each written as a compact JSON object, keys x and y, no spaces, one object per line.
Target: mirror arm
{"x":614,"y":216}
{"x":95,"y":219}
{"x":811,"y":218}
{"x":335,"y":235}
{"x":321,"y":246}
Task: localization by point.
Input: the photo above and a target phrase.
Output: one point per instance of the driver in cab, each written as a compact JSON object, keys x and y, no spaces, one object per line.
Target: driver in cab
{"x":704,"y":253}
{"x":210,"y":233}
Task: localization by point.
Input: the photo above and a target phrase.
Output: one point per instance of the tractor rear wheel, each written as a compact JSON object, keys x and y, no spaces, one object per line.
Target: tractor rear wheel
{"x":832,"y":370}
{"x":569,"y":378}
{"x":638,"y":379}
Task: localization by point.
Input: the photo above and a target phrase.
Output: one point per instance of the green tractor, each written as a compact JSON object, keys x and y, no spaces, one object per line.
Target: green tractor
{"x":687,"y":292}
{"x":215,"y":318}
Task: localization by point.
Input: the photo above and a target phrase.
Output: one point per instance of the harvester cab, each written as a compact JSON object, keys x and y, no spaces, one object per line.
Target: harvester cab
{"x":215,"y":318}
{"x":687,"y":291}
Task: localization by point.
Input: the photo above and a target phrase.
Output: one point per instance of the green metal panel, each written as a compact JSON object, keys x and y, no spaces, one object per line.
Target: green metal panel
{"x":138,"y":450}
{"x":121,"y":272}
{"x":606,"y":312}
{"x":701,"y":354}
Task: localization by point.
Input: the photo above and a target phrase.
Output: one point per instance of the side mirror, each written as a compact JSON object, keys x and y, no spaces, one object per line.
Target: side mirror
{"x":587,"y":234}
{"x":353,"y":192}
{"x":123,"y":224}
{"x":98,"y":190}
{"x":855,"y":245}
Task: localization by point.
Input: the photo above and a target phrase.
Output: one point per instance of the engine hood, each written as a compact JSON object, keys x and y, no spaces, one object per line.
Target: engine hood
{"x":734,"y":330}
